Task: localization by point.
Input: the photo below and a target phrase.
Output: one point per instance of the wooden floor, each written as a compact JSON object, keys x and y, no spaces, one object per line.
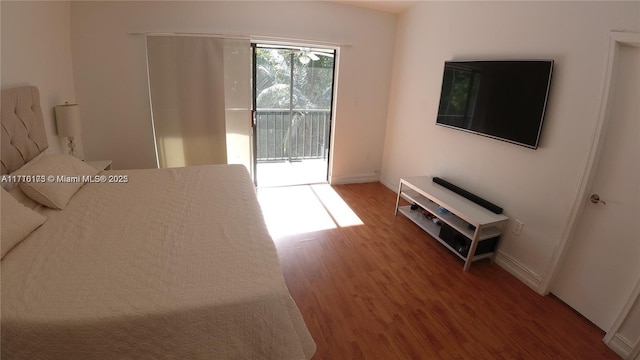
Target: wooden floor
{"x":387,"y":290}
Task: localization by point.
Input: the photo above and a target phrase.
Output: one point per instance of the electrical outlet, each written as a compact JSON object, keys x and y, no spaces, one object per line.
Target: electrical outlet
{"x":517,"y":227}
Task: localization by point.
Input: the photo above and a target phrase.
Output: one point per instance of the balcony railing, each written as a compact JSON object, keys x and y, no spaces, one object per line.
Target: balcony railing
{"x":297,"y":135}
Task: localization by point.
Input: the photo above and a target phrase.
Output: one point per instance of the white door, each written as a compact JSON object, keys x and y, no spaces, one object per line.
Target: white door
{"x":602,"y":263}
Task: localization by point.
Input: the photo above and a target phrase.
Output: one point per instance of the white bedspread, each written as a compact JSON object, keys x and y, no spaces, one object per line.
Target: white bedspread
{"x":177,"y":263}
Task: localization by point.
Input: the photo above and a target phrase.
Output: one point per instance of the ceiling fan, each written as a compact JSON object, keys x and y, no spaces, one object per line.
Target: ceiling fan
{"x":308,"y":54}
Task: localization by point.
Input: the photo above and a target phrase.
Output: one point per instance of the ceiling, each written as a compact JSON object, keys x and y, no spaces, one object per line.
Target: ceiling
{"x":395,"y":7}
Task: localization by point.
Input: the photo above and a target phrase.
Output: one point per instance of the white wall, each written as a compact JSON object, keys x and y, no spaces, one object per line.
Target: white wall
{"x":111,"y":80}
{"x":537,"y":187}
{"x":36,"y":50}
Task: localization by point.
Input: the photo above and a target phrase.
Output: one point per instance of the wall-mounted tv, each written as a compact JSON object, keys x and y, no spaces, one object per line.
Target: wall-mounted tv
{"x":505,"y":100}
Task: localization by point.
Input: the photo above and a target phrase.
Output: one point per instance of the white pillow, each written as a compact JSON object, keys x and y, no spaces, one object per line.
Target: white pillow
{"x":17,"y":222}
{"x":54,"y":194}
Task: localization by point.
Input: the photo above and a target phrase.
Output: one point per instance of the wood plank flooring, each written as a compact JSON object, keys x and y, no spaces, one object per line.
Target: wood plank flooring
{"x":387,"y":290}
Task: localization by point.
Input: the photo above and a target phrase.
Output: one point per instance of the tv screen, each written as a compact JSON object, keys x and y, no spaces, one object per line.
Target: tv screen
{"x":504,"y":100}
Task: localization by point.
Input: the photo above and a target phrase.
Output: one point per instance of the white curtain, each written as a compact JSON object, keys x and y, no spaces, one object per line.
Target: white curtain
{"x":186,"y":81}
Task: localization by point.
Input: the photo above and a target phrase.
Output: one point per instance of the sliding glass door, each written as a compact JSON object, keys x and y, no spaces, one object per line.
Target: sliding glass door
{"x":293,"y":96}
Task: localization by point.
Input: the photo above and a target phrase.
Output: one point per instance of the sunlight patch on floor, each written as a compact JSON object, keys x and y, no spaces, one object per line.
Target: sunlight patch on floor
{"x":302,"y":209}
{"x":341,"y":213}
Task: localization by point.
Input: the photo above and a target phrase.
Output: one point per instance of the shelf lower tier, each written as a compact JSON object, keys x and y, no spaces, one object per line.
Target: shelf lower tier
{"x":434,"y":230}
{"x":451,"y":219}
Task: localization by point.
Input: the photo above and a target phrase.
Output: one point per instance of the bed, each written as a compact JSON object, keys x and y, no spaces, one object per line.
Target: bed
{"x":157,"y":264}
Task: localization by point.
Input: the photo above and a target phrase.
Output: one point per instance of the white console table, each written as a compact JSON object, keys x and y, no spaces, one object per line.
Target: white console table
{"x":462,"y":212}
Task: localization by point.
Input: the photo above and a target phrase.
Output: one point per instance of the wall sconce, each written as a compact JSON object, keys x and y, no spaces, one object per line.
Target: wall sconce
{"x":68,"y":123}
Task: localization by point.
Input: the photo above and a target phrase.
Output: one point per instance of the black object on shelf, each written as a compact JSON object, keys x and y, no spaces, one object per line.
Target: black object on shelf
{"x":462,"y":243}
{"x":464,"y":193}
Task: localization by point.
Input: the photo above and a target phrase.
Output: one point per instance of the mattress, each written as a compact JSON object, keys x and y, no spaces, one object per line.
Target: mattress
{"x":174,"y":263}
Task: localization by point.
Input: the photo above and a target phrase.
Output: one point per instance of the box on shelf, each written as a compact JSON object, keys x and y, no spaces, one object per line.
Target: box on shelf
{"x":462,"y":243}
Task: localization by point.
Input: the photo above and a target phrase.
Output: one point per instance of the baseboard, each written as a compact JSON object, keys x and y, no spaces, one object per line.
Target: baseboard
{"x":521,"y":272}
{"x":620,"y":346}
{"x":393,"y":186}
{"x":511,"y":265}
{"x":354,"y":179}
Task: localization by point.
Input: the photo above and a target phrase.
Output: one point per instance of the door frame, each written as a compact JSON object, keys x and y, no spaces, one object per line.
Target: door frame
{"x":616,"y":41}
{"x":255,"y":42}
{"x":254,"y":138}
{"x":617,"y":343}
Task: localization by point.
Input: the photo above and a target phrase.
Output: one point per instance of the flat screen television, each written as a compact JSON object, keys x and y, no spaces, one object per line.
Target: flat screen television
{"x":504,"y":100}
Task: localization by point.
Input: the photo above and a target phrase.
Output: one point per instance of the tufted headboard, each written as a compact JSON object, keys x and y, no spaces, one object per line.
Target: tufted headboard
{"x":23,"y":132}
